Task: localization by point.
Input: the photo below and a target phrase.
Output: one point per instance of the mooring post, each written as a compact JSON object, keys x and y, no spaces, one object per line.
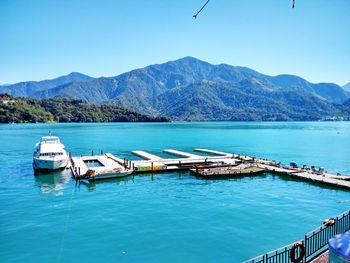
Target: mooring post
{"x":152,"y":166}
{"x":92,"y":153}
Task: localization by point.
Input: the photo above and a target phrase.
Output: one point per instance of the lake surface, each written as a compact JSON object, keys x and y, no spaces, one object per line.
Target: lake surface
{"x":170,"y":217}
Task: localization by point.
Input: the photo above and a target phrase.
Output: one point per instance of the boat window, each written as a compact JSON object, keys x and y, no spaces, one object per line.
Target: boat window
{"x":51,"y":154}
{"x":50,"y":140}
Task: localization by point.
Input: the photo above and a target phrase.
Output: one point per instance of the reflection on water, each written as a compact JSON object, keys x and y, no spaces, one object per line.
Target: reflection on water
{"x":52,"y":182}
{"x":91,"y":185}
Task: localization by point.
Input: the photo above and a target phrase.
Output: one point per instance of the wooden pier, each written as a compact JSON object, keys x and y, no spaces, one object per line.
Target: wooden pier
{"x":215,"y":164}
{"x":325,"y":178}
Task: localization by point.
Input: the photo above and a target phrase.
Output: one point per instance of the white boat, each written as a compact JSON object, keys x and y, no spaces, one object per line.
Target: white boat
{"x":49,"y":154}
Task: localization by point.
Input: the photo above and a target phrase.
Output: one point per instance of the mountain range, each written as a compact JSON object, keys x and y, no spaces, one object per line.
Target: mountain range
{"x":191,"y":89}
{"x":347,"y":87}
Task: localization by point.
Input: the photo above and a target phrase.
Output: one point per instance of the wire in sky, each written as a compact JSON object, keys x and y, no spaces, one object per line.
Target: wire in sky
{"x":200,"y":10}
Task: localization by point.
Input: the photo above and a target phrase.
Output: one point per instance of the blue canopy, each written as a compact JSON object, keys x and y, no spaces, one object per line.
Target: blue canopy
{"x":340,"y":244}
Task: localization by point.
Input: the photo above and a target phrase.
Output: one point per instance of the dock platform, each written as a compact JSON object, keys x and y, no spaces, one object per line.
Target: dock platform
{"x":325,"y":178}
{"x":98,"y":167}
{"x":147,"y":156}
{"x":227,"y":172}
{"x":182,"y":154}
{"x":215,"y":152}
{"x":218,"y":165}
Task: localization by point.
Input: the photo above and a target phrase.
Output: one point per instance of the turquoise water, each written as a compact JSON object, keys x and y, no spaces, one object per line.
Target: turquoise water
{"x":169,"y":217}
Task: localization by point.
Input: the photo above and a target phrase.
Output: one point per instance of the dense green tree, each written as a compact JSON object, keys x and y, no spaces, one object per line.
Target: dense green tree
{"x":67,"y":110}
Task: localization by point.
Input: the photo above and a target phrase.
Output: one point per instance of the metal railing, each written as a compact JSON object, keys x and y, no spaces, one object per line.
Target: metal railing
{"x":315,"y":243}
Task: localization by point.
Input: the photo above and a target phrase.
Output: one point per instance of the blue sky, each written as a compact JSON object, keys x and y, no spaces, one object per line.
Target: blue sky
{"x":46,"y":39}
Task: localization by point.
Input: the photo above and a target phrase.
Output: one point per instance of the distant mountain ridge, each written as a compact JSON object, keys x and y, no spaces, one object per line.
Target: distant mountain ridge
{"x":347,"y":87}
{"x":191,"y":89}
{"x":29,"y":88}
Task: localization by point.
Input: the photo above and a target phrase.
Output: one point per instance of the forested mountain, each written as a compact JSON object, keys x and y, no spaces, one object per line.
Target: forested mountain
{"x":65,"y":110}
{"x":346,"y":109}
{"x":191,"y":89}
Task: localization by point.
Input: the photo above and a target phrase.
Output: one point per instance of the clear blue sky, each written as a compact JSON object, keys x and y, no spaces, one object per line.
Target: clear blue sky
{"x":45,"y":39}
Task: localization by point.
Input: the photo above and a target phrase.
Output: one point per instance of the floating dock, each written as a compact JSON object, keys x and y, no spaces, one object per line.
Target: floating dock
{"x":226,"y":172}
{"x":229,"y":155}
{"x":308,"y":175}
{"x":147,"y":156}
{"x":98,"y":167}
{"x":215,"y":164}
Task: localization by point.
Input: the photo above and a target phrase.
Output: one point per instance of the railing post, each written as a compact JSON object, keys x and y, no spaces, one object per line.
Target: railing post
{"x":336,"y":225}
{"x":306,"y":250}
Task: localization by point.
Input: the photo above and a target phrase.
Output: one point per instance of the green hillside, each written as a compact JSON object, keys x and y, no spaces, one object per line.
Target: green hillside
{"x":21,"y":110}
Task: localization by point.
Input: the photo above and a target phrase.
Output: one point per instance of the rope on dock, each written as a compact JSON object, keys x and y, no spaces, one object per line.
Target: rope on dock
{"x":67,"y":219}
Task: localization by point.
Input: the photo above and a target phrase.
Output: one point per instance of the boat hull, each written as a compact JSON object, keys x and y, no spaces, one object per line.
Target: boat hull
{"x":49,"y":165}
{"x":110,"y":175}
